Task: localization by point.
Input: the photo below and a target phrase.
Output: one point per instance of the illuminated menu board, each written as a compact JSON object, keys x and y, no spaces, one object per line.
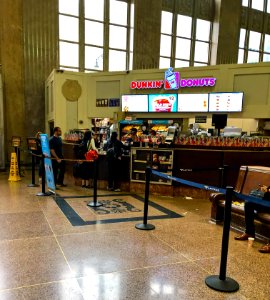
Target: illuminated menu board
{"x":163,"y":103}
{"x":192,"y":102}
{"x":135,"y":103}
{"x":226,"y":102}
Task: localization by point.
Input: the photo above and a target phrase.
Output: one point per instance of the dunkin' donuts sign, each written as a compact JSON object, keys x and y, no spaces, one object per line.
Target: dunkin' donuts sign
{"x":172,"y":81}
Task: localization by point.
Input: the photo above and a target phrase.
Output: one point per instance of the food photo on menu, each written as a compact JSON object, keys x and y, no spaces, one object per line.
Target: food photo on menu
{"x":162,"y":103}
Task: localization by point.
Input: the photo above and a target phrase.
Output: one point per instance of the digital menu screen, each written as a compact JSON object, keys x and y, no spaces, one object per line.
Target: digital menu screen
{"x":135,"y":103}
{"x":192,"y":102}
{"x":162,"y":103}
{"x":226,"y":102}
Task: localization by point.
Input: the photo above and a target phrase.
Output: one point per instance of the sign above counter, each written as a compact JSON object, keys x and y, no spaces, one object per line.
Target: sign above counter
{"x":173,"y":81}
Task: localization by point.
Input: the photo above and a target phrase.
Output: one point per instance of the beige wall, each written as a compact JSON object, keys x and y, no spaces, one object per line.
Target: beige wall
{"x":29,"y":52}
{"x":253,"y":80}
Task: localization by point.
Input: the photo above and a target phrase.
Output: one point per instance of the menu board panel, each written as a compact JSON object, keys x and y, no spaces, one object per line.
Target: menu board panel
{"x":162,"y":103}
{"x":225,"y":102}
{"x":192,"y":102}
{"x":135,"y":103}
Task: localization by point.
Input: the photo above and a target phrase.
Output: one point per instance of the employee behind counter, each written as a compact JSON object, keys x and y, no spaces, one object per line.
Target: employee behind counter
{"x":160,"y":141}
{"x":133,"y":139}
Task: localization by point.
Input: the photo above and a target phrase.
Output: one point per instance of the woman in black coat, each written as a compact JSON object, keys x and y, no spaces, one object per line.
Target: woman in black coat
{"x":114,"y":149}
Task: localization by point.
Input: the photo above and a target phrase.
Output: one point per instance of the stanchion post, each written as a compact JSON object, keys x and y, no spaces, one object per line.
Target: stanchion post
{"x":32,"y":146}
{"x":221,"y":173}
{"x":221,"y":282}
{"x":19,"y":160}
{"x":95,"y":203}
{"x":33,"y":184}
{"x":224,"y":177}
{"x":146,"y":226}
{"x":43,"y":193}
{"x":18,"y":154}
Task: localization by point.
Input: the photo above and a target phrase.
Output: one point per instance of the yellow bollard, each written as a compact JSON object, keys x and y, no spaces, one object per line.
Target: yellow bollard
{"x":14,"y":170}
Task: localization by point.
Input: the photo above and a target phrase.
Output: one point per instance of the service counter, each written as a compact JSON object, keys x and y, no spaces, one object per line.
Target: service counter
{"x":68,"y":151}
{"x":207,"y":166}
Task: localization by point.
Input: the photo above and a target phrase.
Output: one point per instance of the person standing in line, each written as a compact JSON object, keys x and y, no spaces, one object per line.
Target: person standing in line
{"x":114,"y":154}
{"x":38,"y":152}
{"x":86,"y":168}
{"x":58,"y":164}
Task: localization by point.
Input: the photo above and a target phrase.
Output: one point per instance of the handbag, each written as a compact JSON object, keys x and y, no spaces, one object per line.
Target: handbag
{"x":91,"y":154}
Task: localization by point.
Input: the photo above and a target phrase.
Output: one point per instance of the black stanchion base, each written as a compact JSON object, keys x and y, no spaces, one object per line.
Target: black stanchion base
{"x":145,"y":226}
{"x":94,"y":204}
{"x":228,"y":285}
{"x":32,"y":185}
{"x":44,"y":194}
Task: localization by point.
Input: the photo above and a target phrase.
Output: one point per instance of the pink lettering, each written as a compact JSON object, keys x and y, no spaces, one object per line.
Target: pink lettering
{"x":195,"y":82}
{"x":201,"y":82}
{"x":189,"y":82}
{"x":206,"y":80}
{"x":183,"y":83}
{"x":157,"y":84}
{"x":212,"y":81}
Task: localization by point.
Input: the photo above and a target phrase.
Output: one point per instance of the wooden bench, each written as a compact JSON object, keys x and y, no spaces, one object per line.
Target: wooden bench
{"x":249,"y":177}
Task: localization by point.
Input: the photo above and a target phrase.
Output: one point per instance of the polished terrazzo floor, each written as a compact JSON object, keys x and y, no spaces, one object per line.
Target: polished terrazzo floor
{"x":43,"y":256}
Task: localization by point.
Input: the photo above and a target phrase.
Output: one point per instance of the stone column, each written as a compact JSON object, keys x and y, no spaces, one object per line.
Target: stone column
{"x":11,"y":48}
{"x":147,"y":34}
{"x":226,"y":31}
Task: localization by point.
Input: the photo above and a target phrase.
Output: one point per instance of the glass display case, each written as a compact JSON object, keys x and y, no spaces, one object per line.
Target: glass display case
{"x":158,"y":159}
{"x":127,"y":125}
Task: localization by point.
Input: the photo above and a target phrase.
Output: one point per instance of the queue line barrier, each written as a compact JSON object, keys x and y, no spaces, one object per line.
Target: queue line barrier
{"x":217,"y":282}
{"x":93,"y":203}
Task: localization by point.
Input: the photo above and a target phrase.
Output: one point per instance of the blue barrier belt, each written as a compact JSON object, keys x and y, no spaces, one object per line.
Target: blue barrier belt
{"x":247,"y":198}
{"x":190,"y":183}
{"x":252,"y":199}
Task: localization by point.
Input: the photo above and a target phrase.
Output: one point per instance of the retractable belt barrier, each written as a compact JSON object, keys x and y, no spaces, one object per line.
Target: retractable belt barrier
{"x":217,"y":282}
{"x":206,"y":169}
{"x":43,"y":193}
{"x":52,"y":158}
{"x":249,"y":198}
{"x":190,"y":183}
{"x":255,"y":200}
